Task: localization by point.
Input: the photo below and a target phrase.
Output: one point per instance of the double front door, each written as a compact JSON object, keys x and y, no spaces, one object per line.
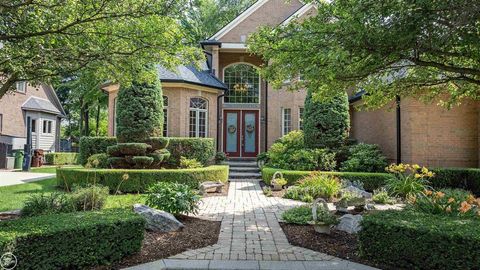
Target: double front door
{"x":240,"y":133}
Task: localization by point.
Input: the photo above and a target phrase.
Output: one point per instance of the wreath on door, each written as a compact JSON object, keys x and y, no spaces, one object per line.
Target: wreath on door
{"x":250,"y":128}
{"x":232,"y":129}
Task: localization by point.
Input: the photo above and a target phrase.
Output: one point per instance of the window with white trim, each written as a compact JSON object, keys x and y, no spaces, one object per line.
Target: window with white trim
{"x":47,"y":126}
{"x":300,"y":118}
{"x":165,"y":116}
{"x":198,"y":117}
{"x":286,"y":121}
{"x":33,"y":125}
{"x":21,"y":86}
{"x":243,"y":84}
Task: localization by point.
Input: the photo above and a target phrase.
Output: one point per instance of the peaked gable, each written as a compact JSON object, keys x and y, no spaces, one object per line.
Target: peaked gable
{"x":261,"y":13}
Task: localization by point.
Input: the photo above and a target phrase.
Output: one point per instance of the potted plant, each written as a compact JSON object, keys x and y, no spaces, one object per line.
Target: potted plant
{"x":278,"y":181}
{"x":323,"y":220}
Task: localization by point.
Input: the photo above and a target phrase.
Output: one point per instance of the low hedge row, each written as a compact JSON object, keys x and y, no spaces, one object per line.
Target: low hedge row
{"x":411,"y":240}
{"x":61,"y":158}
{"x":73,"y":240}
{"x":139,"y":180}
{"x":466,"y":178}
{"x":371,"y":181}
{"x":201,"y":149}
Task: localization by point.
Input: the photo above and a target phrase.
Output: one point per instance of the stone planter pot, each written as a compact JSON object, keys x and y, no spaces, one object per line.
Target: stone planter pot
{"x":277,"y":187}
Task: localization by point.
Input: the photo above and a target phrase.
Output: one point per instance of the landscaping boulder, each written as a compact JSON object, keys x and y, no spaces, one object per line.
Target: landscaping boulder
{"x":157,"y":220}
{"x":350,"y":223}
{"x":210,"y":187}
{"x":356,"y":190}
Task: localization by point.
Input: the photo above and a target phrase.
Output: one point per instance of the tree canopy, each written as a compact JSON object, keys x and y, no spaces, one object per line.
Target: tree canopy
{"x":423,"y":49}
{"x":44,"y":39}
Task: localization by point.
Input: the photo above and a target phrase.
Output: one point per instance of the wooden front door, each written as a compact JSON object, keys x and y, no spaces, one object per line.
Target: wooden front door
{"x":240,"y":133}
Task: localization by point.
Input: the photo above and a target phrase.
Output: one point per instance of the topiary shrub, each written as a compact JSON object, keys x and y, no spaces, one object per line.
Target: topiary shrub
{"x":139,"y":112}
{"x":364,"y":157}
{"x":78,"y":240}
{"x":326,"y":123}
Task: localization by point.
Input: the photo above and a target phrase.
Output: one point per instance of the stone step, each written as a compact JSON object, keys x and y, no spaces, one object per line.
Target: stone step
{"x":242,"y":164}
{"x":241,"y":175}
{"x":244,"y":169}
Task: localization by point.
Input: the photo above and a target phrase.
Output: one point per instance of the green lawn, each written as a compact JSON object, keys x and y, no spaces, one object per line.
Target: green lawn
{"x":12,"y":197}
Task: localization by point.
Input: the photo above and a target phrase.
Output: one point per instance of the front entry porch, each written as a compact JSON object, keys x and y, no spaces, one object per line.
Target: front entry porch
{"x":241,"y":133}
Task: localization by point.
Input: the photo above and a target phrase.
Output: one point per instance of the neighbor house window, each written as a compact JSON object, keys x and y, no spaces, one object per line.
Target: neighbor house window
{"x":21,"y":86}
{"x":286,"y":121}
{"x":243,"y":84}
{"x":47,"y":126}
{"x":300,"y":118}
{"x":165,"y":116}
{"x":33,"y":125}
{"x":198,"y":117}
{"x":1,"y":123}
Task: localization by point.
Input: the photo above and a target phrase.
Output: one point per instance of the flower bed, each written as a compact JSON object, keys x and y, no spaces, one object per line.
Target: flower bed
{"x":371,"y":181}
{"x":414,"y":240}
{"x":72,"y":240}
{"x":130,"y":180}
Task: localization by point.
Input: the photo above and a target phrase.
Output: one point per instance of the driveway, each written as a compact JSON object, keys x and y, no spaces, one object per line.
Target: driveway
{"x":14,"y":178}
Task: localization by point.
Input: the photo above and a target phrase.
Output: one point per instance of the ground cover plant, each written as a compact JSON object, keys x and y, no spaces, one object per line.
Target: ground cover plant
{"x":313,"y":186}
{"x":173,"y":198}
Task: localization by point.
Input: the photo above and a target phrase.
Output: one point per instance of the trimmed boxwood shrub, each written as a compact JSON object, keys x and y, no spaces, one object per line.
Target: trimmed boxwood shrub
{"x":61,"y":158}
{"x":465,"y":178}
{"x":139,"y":180}
{"x":94,"y":145}
{"x":412,"y":240}
{"x":72,"y":240}
{"x":201,"y":149}
{"x":371,"y":181}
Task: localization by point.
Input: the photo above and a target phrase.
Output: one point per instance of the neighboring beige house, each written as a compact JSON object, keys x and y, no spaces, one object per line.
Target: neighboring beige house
{"x":229,"y":101}
{"x":38,"y":103}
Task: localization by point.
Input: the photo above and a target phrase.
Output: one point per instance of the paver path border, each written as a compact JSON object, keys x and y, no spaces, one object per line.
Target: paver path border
{"x":250,"y":236}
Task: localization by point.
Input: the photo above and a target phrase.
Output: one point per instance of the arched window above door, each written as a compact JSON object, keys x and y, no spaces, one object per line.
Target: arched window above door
{"x":243,"y":82}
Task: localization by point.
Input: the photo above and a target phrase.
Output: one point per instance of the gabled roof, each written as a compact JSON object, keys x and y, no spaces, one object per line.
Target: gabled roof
{"x":40,"y":105}
{"x":190,"y":74}
{"x":299,"y":13}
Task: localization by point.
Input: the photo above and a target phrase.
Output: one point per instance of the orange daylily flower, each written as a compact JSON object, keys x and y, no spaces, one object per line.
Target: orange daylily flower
{"x":439,"y":194}
{"x":427,"y":192}
{"x":451,"y":200}
{"x":465,"y":207}
{"x":478,"y":202}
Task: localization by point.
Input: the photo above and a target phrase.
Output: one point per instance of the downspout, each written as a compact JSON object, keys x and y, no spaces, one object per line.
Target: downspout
{"x":266,"y":118}
{"x":399,"y":130}
{"x":219,"y":121}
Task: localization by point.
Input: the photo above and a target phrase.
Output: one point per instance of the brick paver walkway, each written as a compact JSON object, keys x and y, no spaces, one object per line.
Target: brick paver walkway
{"x":250,"y":236}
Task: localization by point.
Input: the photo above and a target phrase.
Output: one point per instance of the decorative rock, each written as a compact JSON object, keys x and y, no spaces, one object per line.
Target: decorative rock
{"x":350,"y":223}
{"x":369,"y":206}
{"x":157,"y":220}
{"x":210,"y":187}
{"x":363,"y":193}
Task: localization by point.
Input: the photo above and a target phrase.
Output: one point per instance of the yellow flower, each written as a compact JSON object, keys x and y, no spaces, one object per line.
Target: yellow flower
{"x":451,"y":200}
{"x":470,"y":199}
{"x":125,"y":177}
{"x":424,"y":170}
{"x":439,"y":194}
{"x":416,"y":166}
{"x":430,"y":174}
{"x":465,"y":207}
{"x":418,"y":175}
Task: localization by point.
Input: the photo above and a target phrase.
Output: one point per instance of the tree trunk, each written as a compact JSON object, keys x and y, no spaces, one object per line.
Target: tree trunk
{"x":87,"y":122}
{"x":80,"y":121}
{"x":97,"y":128}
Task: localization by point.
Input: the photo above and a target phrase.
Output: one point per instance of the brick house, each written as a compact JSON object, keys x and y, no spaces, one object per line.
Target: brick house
{"x":229,"y":101}
{"x":38,"y":103}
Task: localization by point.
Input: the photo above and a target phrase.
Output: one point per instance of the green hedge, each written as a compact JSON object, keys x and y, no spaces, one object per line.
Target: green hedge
{"x":94,"y":145}
{"x":410,"y":240}
{"x":139,"y":180}
{"x":466,"y":178}
{"x":61,"y":158}
{"x":201,"y":149}
{"x":73,"y":240}
{"x":371,"y":181}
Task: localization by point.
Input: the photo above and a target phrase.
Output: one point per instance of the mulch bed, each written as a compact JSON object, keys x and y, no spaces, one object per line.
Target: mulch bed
{"x":197,"y":233}
{"x":223,"y":193}
{"x":339,"y":244}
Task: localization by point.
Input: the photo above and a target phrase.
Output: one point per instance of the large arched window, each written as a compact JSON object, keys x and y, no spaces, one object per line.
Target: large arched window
{"x":243,"y":84}
{"x":198,"y":117}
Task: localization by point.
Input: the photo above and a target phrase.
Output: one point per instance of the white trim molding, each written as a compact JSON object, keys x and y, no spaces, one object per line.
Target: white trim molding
{"x":299,"y":13}
{"x":240,"y":18}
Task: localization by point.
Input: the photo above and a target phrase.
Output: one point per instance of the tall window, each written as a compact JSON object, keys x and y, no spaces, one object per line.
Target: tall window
{"x":47,"y":126}
{"x":243,"y":84}
{"x":33,"y":125}
{"x":198,"y":117}
{"x":300,"y":118}
{"x":165,"y":116}
{"x":286,"y":121}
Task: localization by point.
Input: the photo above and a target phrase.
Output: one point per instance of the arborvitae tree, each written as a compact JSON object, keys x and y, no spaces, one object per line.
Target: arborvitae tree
{"x":140,"y":112}
{"x":326,"y":123}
